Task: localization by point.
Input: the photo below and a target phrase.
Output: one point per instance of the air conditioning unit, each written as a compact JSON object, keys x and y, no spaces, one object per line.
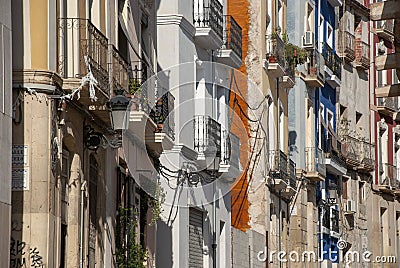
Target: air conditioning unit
{"x":351,"y":206}
{"x":308,"y":40}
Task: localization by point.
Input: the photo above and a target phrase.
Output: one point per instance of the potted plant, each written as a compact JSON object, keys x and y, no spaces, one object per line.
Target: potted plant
{"x":135,"y":92}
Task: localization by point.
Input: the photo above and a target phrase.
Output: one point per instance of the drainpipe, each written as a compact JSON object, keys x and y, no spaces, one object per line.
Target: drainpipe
{"x":213,"y":175}
{"x":83,"y":193}
{"x":280,"y":225}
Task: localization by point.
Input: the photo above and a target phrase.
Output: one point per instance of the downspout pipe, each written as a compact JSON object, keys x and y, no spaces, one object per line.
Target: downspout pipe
{"x":83,"y":193}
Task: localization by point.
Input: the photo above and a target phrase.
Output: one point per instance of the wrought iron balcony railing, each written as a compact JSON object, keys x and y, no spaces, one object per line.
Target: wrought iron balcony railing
{"x":391,"y":103}
{"x":276,"y":50}
{"x":368,"y":155}
{"x":118,"y":68}
{"x":346,"y":44}
{"x":143,"y":94}
{"x":314,"y":65}
{"x":352,"y":150}
{"x":79,"y":39}
{"x":207,"y":135}
{"x":162,"y":114}
{"x":334,"y":220}
{"x":315,"y":160}
{"x":334,"y":151}
{"x":278,"y":163}
{"x":362,"y":54}
{"x":231,"y":149}
{"x":208,"y":14}
{"x":233,"y":35}
{"x":332,"y":60}
{"x":292,"y":173}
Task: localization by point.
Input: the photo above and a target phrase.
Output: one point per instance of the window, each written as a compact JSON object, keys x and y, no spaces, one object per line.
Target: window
{"x":321,"y":33}
{"x":361,"y":193}
{"x":329,"y":35}
{"x":344,"y":187}
{"x":309,"y":18}
{"x":381,"y":78}
{"x":395,"y":79}
{"x":65,"y":173}
{"x":195,"y":238}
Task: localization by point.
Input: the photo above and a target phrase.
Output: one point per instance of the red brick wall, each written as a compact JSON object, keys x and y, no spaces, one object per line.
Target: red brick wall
{"x":239,"y":194}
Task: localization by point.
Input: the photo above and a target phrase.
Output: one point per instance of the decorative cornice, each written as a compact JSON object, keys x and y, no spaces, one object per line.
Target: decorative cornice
{"x":37,"y":77}
{"x":177,"y":19}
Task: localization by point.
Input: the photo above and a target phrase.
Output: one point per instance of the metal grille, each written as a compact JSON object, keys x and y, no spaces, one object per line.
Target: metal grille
{"x":78,"y":38}
{"x":276,"y":49}
{"x":207,"y":135}
{"x":195,"y":238}
{"x":332,"y":60}
{"x":233,"y":35}
{"x":208,"y":13}
{"x":118,"y":68}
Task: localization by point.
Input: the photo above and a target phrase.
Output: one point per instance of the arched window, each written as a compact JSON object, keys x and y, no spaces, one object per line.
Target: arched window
{"x":93,"y":177}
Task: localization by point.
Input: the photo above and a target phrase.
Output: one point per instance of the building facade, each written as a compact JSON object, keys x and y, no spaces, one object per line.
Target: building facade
{"x":194,"y":230}
{"x":5,"y":132}
{"x":384,"y":86}
{"x":76,"y":197}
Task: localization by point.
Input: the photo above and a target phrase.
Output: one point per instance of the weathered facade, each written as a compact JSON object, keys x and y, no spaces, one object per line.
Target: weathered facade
{"x":69,"y":60}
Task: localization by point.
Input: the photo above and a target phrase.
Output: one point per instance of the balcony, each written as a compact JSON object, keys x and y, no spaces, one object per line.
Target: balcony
{"x":207,"y":139}
{"x":334,"y":159}
{"x":387,"y":90}
{"x":315,"y":164}
{"x":335,"y":3}
{"x":288,"y":79}
{"x":162,"y":115}
{"x":231,"y":52}
{"x":143,"y":99}
{"x":230,"y":160}
{"x":276,"y":62}
{"x":118,"y":68}
{"x":387,"y":61}
{"x":292,"y":181}
{"x":351,"y":149}
{"x":388,"y":106}
{"x":208,"y":20}
{"x":384,"y":10}
{"x":278,"y":169}
{"x":367,"y":157}
{"x":333,"y":66}
{"x":314,"y":75}
{"x":384,"y":29}
{"x":79,"y":41}
{"x":334,"y":228}
{"x":388,"y":178}
{"x":346,"y":43}
{"x":362,"y":55}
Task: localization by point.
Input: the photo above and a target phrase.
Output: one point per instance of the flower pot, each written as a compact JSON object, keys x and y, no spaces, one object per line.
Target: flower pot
{"x":272,"y":59}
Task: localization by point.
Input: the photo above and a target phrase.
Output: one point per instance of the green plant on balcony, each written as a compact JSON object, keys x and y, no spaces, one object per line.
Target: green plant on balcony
{"x":294,"y":55}
{"x":134,"y":86}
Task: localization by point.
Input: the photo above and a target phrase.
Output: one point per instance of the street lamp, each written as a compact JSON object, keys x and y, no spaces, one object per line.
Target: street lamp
{"x":119,"y":108}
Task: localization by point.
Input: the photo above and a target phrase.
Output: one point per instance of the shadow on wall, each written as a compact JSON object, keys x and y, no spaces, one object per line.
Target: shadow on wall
{"x":292,"y":141}
{"x":164,"y":245}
